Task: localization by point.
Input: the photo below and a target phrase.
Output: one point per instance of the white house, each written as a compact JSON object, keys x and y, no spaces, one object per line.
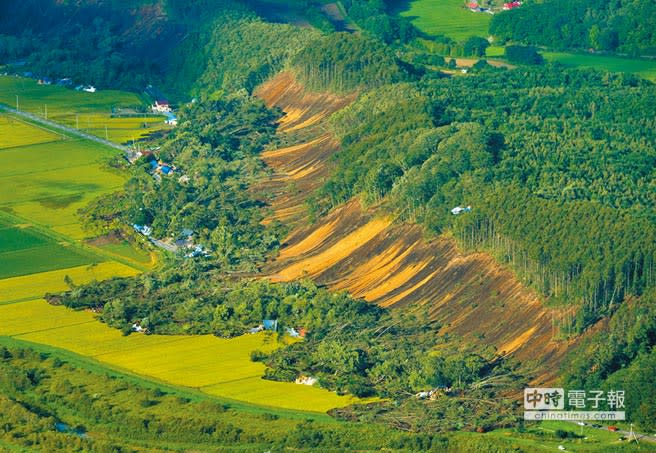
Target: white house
{"x":89,"y":89}
{"x":161,"y":106}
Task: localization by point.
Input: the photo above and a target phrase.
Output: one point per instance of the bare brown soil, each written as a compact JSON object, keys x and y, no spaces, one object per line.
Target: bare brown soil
{"x":390,"y":263}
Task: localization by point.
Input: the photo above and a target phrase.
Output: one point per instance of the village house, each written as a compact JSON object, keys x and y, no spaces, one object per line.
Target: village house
{"x":161,"y":106}
{"x":306,"y":380}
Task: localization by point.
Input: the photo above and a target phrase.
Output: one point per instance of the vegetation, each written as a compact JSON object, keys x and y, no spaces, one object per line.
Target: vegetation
{"x":343,"y":62}
{"x":545,"y":156}
{"x":625,"y":26}
{"x":220,"y":367}
{"x":523,"y":55}
{"x":489,"y":141}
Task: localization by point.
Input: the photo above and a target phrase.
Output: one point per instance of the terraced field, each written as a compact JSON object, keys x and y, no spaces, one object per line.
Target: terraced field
{"x":91,"y":112}
{"x":47,"y":182}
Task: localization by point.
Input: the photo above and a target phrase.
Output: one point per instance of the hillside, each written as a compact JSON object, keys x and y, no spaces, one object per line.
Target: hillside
{"x":383,"y":261}
{"x":361,"y":245}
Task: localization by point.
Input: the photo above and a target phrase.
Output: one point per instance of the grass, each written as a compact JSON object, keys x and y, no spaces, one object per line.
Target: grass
{"x":640,"y":67}
{"x":219,"y":367}
{"x":449,"y":18}
{"x":91,"y":112}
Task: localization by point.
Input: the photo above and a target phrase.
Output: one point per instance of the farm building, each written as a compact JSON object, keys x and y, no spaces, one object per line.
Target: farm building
{"x":171,"y":119}
{"x":511,"y":5}
{"x":306,"y":380}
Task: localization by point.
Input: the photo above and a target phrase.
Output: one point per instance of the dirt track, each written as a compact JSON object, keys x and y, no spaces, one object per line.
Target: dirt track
{"x":387,"y":262}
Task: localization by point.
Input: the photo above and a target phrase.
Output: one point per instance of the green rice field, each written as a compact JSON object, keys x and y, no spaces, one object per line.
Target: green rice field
{"x":449,"y":18}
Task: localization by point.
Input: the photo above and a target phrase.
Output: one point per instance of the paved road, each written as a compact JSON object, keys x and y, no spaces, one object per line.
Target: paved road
{"x":61,"y":127}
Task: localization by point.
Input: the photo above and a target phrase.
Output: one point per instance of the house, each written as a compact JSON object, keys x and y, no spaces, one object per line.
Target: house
{"x":184,"y":179}
{"x":171,"y":119}
{"x":161,"y":105}
{"x":270,"y":324}
{"x":136,"y":327}
{"x":89,"y":89}
{"x":422,"y":395}
{"x":460,"y":210}
{"x":511,"y":5}
{"x":292,"y":332}
{"x":197,"y":251}
{"x":166,"y":169}
{"x":143,"y":229}
{"x":306,"y":380}
{"x":256,"y":329}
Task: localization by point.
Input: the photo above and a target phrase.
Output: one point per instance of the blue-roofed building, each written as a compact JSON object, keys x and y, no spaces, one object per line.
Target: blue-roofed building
{"x":270,"y":324}
{"x":166,"y":169}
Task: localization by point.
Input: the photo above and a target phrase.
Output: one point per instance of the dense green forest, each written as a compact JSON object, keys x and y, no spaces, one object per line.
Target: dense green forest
{"x":626,"y":26}
{"x":537,"y":153}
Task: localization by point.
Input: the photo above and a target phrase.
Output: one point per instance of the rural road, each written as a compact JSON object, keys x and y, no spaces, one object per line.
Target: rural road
{"x":639,"y":436}
{"x":61,"y":128}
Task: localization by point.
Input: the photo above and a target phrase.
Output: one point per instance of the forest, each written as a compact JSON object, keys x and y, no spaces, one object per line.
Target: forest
{"x":625,"y":26}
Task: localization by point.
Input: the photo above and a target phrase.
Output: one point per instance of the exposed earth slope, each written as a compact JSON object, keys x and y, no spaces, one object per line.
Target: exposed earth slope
{"x":387,"y":262}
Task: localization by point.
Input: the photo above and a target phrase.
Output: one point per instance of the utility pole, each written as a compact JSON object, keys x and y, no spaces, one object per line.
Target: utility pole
{"x":632,"y":434}
{"x":16,"y":102}
{"x":45,"y":109}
